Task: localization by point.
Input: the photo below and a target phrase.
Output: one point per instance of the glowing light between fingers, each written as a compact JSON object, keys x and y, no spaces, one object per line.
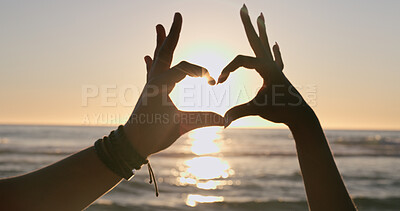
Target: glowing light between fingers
{"x":192,"y":94}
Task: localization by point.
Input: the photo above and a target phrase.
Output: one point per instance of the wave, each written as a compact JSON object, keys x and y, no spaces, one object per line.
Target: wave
{"x":368,"y":204}
{"x":120,"y":207}
{"x":384,"y":152}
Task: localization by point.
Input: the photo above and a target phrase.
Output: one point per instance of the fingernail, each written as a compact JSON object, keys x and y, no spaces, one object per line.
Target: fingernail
{"x":211,"y":82}
{"x":177,"y":16}
{"x":220,"y":79}
{"x":244,"y":8}
{"x":228,"y":121}
{"x":158,"y":28}
{"x":259,"y":19}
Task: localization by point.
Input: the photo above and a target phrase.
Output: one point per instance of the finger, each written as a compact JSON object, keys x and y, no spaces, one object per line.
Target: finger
{"x":252,"y":36}
{"x":239,"y":111}
{"x":165,"y":54}
{"x":184,"y":68}
{"x":193,"y":120}
{"x":278,"y":56}
{"x":263,"y":35}
{"x":149,"y":62}
{"x":160,"y":38}
{"x":238,"y":61}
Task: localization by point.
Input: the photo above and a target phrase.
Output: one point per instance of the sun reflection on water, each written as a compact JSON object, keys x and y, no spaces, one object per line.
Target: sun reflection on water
{"x":193,"y":199}
{"x":205,"y":171}
{"x":203,"y":142}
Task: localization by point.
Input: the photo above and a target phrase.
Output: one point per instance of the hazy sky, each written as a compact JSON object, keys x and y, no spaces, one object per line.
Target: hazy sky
{"x":343,"y":56}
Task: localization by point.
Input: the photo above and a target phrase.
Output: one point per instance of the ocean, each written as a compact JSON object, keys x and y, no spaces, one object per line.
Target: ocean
{"x":216,"y":169}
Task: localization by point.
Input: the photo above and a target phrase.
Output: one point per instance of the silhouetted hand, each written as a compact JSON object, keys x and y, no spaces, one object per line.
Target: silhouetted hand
{"x":155,"y":122}
{"x":277,"y":100}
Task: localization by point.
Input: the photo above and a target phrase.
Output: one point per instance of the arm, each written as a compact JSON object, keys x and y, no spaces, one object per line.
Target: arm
{"x":76,"y":181}
{"x":279,"y":101}
{"x":323,"y":183}
{"x":70,"y":184}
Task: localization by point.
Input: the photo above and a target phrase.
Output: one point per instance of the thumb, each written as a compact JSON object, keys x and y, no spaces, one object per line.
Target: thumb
{"x":239,"y":111}
{"x":193,"y":120}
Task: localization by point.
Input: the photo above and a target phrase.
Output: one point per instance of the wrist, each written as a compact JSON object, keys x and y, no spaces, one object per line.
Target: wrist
{"x":118,"y":154}
{"x":133,"y":135}
{"x":304,"y":117}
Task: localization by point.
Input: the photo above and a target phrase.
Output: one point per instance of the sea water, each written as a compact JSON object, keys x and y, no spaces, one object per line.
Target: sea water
{"x":217,"y":169}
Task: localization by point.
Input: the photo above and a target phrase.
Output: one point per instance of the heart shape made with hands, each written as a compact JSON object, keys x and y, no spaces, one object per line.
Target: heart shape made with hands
{"x":269,"y":66}
{"x":164,"y":78}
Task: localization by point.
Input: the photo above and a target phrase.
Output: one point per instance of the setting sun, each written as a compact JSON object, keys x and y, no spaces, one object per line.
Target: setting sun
{"x":194,"y":94}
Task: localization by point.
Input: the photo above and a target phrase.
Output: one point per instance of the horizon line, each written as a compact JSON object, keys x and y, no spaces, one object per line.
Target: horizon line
{"x":233,"y":127}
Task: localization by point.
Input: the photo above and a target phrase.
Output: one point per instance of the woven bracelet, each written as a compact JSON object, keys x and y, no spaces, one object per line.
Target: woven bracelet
{"x":120,"y":156}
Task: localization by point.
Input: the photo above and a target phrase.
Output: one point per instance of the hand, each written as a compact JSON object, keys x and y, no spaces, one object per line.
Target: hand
{"x":155,"y":122}
{"x":277,"y":100}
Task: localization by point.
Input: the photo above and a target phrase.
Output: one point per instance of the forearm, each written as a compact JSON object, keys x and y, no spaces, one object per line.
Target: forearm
{"x":70,"y":184}
{"x":323,"y":183}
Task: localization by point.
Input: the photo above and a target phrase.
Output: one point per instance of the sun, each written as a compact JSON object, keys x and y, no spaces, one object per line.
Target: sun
{"x":194,"y":94}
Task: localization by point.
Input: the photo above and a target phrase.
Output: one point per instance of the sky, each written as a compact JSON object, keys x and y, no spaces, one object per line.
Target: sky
{"x":81,"y":62}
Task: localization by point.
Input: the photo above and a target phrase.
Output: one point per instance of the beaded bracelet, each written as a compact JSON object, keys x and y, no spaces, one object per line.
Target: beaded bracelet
{"x":120,"y":156}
